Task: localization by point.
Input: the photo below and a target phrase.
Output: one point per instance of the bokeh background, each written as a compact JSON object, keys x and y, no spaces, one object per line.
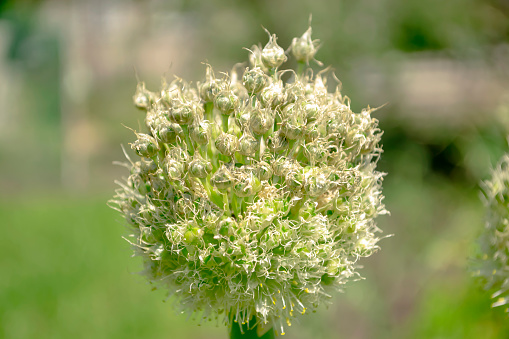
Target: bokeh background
{"x":67,"y":75}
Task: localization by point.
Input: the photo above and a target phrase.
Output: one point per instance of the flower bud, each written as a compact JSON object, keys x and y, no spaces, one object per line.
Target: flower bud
{"x":170,"y":92}
{"x":143,"y":99}
{"x":182,"y":114}
{"x":226,"y":102}
{"x":315,"y":182}
{"x":222,"y":179}
{"x":261,"y":121}
{"x":273,"y":55}
{"x":294,"y":178}
{"x":248,"y":144}
{"x":292,"y":129}
{"x":263,"y":170}
{"x":200,"y":167}
{"x":227,"y":144}
{"x":316,"y":153}
{"x":146,"y":146}
{"x":200,"y":132}
{"x":303,"y":48}
{"x":211,"y":87}
{"x":247,"y":184}
{"x":311,"y":133}
{"x":254,"y":80}
{"x":312,"y":112}
{"x":168,"y":132}
{"x":273,"y":95}
{"x":147,"y":166}
{"x":277,"y":142}
{"x":174,"y":168}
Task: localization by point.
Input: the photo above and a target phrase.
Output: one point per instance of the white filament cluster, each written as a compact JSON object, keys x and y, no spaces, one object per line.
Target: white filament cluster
{"x":256,"y":192}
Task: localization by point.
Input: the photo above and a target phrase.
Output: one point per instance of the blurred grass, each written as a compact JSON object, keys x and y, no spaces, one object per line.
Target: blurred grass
{"x":67,"y":274}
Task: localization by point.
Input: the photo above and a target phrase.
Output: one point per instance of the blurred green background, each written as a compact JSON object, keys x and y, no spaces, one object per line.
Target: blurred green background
{"x":67,"y":78}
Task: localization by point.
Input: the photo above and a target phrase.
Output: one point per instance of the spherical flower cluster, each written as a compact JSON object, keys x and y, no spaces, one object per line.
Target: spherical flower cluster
{"x":253,"y":197}
{"x":493,"y":266}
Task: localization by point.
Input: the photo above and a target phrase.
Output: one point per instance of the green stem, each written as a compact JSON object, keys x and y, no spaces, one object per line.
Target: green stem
{"x":249,"y":333}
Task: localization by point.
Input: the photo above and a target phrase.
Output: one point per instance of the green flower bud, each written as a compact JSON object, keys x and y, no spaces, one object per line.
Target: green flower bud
{"x":200,"y":132}
{"x":143,"y":99}
{"x":211,"y":87}
{"x":273,"y":55}
{"x":247,"y":184}
{"x":226,"y":102}
{"x":292,"y":129}
{"x":222,"y":179}
{"x":147,"y":166}
{"x":311,"y":133}
{"x":315,"y":182}
{"x":182,"y":114}
{"x":193,"y":235}
{"x":263,"y":170}
{"x":312,"y":112}
{"x":248,"y":145}
{"x":261,"y":121}
{"x":303,"y":48}
{"x":168,"y":132}
{"x":294,"y":179}
{"x":273,"y":95}
{"x":254,"y":80}
{"x":174,"y":168}
{"x":200,"y":167}
{"x":277,"y":142}
{"x":227,"y":144}
{"x":146,"y":146}
{"x":170,"y":92}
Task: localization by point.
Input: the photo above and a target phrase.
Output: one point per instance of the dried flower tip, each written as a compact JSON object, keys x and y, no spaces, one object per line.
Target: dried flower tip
{"x":303,"y":48}
{"x":146,"y":146}
{"x":143,"y":99}
{"x":273,"y":55}
{"x":254,"y":80}
{"x":255,"y":58}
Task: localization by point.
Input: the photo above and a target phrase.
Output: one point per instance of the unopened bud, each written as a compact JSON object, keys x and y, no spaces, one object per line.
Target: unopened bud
{"x":200,"y":132}
{"x":227,"y":144}
{"x":303,"y":48}
{"x":272,"y":54}
{"x":168,"y":132}
{"x":254,"y":80}
{"x":226,"y":102}
{"x":143,"y":98}
{"x":146,"y":146}
{"x":261,"y":121}
{"x":248,"y":145}
{"x":200,"y":167}
{"x":222,"y":179}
